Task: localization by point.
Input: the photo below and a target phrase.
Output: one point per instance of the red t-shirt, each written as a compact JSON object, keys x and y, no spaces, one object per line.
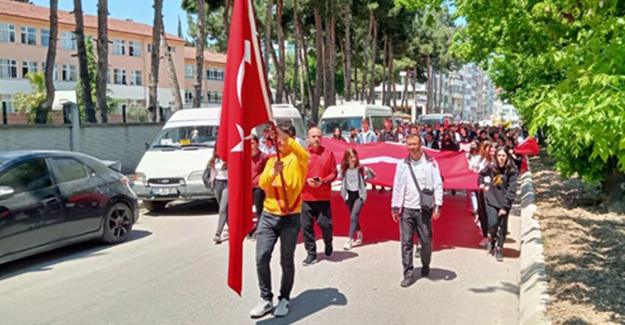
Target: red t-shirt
{"x":258,"y":166}
{"x":323,"y":165}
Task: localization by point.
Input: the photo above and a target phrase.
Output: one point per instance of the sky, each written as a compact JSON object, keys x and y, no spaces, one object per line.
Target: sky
{"x":137,"y":10}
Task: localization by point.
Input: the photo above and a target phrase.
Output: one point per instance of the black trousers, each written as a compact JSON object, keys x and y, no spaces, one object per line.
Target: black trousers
{"x":270,"y":228}
{"x":354,"y":204}
{"x":259,"y":198}
{"x":497,"y":225}
{"x":412,"y":221}
{"x":321,"y":212}
{"x":481,"y":212}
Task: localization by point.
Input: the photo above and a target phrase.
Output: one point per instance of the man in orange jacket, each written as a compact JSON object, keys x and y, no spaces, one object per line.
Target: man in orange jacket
{"x":280,"y":219}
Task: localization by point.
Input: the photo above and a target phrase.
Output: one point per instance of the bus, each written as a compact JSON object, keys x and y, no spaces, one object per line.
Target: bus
{"x":434,"y":119}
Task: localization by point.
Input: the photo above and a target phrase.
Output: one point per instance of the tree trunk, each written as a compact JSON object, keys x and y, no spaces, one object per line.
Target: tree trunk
{"x":344,"y":63}
{"x":374,"y":55}
{"x":319,"y":72}
{"x":268,"y":37}
{"x":304,"y":54}
{"x":199,"y":52}
{"x":391,"y":75}
{"x":440,"y":92}
{"x":348,"y":56}
{"x":42,"y":112}
{"x":171,"y":72}
{"x":428,"y":101}
{"x":281,"y":64}
{"x":414,"y":90}
{"x":330,"y":54}
{"x":85,"y":79}
{"x":356,"y":93}
{"x":404,"y":96}
{"x":226,"y":18}
{"x":365,"y":71}
{"x":296,"y":58}
{"x":103,"y":59}
{"x":434,"y":92}
{"x":384,"y":64}
{"x":613,"y":187}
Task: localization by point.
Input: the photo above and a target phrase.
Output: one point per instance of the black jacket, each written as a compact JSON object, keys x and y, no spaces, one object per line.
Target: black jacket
{"x":502,"y":187}
{"x":452,"y":146}
{"x":433,"y":146}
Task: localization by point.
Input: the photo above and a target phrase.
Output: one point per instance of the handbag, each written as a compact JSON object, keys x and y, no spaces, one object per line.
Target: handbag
{"x":206,"y":178}
{"x":426,"y":195}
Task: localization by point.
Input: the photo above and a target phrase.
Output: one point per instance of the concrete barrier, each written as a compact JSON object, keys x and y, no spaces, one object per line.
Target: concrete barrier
{"x":534,"y":295}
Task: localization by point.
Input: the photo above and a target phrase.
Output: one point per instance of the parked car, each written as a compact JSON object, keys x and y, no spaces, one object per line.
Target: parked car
{"x":51,"y":199}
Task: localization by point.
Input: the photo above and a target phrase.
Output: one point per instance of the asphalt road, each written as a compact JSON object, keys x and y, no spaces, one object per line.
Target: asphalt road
{"x":171,"y":273}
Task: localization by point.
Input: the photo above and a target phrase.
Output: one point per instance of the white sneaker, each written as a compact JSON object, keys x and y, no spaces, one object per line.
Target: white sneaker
{"x":282,"y":309}
{"x":358,"y":238}
{"x":484,"y":242}
{"x":348,"y":245}
{"x":263,"y":308}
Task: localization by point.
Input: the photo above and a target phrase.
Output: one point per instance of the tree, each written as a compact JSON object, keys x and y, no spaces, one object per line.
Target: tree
{"x":83,"y":65}
{"x":348,"y":55}
{"x":30,"y":103}
{"x":560,"y":63}
{"x":155,"y":58}
{"x":180,"y":28}
{"x":171,"y":72}
{"x":103,"y":63}
{"x":199,"y":53}
{"x":46,"y":106}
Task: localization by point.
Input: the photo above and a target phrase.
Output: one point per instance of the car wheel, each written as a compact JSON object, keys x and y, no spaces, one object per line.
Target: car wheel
{"x":155,"y":206}
{"x":118,"y":221}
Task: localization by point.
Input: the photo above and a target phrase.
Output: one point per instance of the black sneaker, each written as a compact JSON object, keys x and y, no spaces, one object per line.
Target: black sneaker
{"x":329,"y":250}
{"x":407,"y":281}
{"x":425,"y":271}
{"x":498,"y":255}
{"x":491,"y":247}
{"x":310,"y":260}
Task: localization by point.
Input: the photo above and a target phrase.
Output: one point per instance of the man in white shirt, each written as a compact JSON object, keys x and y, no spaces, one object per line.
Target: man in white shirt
{"x":415,"y":205}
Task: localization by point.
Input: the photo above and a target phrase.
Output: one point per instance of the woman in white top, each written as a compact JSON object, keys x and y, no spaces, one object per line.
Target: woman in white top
{"x":354,"y":192}
{"x":219,"y":169}
{"x":473,"y":156}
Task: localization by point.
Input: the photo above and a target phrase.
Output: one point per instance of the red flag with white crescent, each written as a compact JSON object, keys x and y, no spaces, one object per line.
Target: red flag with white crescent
{"x":245,"y":105}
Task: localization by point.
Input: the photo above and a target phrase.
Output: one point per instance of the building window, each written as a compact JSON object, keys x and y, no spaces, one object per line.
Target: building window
{"x":28,"y":67}
{"x":150,"y":46}
{"x":28,"y":35}
{"x":134,"y":48}
{"x":215,"y":74}
{"x":45,"y":37}
{"x":108,"y":76}
{"x":119,"y":47}
{"x":119,"y":76}
{"x":188,"y":97}
{"x":68,"y":41}
{"x":171,"y":49}
{"x":7,"y":33}
{"x":70,"y":73}
{"x":55,"y":71}
{"x":7,"y":101}
{"x":8,"y":69}
{"x":189,"y":71}
{"x":136,"y":78}
{"x":214,"y":97}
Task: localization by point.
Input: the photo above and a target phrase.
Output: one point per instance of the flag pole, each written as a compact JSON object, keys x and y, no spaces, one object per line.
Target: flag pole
{"x":282,"y":172}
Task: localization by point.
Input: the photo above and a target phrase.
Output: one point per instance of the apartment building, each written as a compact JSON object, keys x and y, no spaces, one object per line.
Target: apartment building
{"x":24,"y":33}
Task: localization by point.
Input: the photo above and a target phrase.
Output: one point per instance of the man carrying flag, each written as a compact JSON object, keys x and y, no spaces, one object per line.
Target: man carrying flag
{"x":283,"y":180}
{"x":245,"y":106}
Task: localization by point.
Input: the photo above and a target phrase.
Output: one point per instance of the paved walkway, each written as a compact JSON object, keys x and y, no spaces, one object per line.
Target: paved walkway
{"x":171,"y":273}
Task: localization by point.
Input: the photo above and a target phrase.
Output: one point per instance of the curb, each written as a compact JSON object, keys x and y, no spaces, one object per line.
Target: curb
{"x":534,"y":294}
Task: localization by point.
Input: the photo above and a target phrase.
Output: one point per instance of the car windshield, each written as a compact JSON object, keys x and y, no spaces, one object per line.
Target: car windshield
{"x":345,"y":123}
{"x":186,"y":136}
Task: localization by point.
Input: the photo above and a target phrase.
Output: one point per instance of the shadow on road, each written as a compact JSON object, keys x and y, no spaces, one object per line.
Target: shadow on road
{"x":435,"y":274}
{"x":46,"y":261}
{"x":308,"y":303}
{"x":505,"y":286}
{"x":338,"y":256}
{"x":187,"y":209}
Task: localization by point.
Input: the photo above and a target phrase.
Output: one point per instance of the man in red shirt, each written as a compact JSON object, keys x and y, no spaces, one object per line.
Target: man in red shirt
{"x":316,"y":196}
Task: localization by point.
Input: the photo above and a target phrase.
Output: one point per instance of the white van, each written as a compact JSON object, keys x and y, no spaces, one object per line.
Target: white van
{"x":350,"y":115}
{"x":172,"y":167}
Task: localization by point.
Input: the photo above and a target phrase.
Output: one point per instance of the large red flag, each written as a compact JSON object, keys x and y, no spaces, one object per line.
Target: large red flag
{"x":245,"y":105}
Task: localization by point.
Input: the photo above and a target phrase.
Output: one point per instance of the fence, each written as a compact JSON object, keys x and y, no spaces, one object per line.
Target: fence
{"x":124,"y":142}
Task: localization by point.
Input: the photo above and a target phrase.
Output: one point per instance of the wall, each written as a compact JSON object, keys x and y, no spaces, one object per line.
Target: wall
{"x":122,"y":142}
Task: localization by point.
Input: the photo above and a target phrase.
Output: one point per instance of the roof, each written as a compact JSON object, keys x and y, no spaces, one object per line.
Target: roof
{"x":189,"y":53}
{"x":356,"y":109}
{"x":202,"y":115}
{"x":29,"y":11}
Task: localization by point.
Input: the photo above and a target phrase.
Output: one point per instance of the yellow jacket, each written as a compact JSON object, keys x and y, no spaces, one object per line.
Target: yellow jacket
{"x":295,"y":167}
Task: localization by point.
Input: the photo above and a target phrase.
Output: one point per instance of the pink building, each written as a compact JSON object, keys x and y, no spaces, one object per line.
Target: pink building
{"x":24,"y":33}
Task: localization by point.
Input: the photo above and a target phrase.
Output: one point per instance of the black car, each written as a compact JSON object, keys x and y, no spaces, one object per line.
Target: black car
{"x":53,"y":199}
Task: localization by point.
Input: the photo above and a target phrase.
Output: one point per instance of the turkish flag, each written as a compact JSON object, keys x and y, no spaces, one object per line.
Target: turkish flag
{"x":245,"y":105}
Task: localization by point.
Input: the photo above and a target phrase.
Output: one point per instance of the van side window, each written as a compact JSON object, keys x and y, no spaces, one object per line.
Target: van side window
{"x":377,"y":122}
